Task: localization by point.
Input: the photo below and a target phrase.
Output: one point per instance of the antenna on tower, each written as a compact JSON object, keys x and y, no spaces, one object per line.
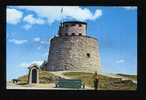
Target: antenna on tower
{"x":61,"y":17}
{"x":61,"y":21}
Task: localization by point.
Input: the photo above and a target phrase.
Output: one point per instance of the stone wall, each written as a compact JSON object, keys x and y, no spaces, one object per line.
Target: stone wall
{"x":73,"y":53}
{"x":70,"y":28}
{"x":76,"y":29}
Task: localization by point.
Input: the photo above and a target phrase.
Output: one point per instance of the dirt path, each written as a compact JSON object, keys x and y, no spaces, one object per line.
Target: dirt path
{"x":60,"y":74}
{"x":50,"y":86}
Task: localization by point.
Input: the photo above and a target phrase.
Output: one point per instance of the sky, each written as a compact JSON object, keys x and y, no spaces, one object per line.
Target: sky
{"x":30,"y":28}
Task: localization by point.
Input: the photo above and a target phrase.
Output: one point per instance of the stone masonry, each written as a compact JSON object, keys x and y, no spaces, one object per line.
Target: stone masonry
{"x":74,"y":53}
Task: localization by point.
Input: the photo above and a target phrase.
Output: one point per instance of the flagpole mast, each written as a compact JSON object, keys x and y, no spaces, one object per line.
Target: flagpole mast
{"x":61,"y":17}
{"x":61,"y":21}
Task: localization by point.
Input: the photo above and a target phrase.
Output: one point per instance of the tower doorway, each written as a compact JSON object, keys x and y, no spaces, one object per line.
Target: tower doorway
{"x":34,"y":76}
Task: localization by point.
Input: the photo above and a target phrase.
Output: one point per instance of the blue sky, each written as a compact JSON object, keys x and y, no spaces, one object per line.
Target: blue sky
{"x":29,"y":29}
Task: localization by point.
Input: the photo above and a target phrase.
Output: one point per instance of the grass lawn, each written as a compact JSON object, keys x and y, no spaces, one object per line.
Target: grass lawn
{"x":44,"y":77}
{"x":105,"y":83}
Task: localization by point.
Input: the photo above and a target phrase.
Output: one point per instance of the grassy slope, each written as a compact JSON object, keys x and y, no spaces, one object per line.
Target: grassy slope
{"x":44,"y":77}
{"x":132,"y":77}
{"x":105,"y":83}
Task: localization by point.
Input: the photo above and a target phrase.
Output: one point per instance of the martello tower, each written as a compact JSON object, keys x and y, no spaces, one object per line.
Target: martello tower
{"x":73,"y":50}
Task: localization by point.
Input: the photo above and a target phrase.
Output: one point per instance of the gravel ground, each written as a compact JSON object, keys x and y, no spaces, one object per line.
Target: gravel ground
{"x":50,"y":86}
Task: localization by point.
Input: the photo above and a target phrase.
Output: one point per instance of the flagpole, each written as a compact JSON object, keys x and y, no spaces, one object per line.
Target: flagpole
{"x":61,"y":17}
{"x":61,"y":20}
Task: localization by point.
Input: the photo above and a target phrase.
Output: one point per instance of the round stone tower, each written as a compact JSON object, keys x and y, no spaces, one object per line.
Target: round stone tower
{"x":73,"y":50}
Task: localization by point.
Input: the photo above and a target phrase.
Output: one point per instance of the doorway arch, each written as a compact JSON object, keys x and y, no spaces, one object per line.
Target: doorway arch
{"x":33,"y":76}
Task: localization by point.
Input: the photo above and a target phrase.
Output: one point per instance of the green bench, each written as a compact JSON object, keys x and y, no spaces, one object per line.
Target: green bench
{"x":70,"y":83}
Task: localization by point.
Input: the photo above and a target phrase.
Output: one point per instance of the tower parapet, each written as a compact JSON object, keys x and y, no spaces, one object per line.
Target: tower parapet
{"x":73,"y":28}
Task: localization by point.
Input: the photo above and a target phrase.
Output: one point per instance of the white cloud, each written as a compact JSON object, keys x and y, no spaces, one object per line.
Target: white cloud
{"x":97,"y":14}
{"x":130,"y":7}
{"x":24,"y":65}
{"x":46,"y":54}
{"x":27,"y":26}
{"x":120,"y":61}
{"x":38,"y":62}
{"x":39,"y":47}
{"x":52,"y":13}
{"x":18,"y":41}
{"x":36,"y":39}
{"x":13,"y":16}
{"x":30,"y":19}
{"x":43,"y":42}
{"x":10,"y":34}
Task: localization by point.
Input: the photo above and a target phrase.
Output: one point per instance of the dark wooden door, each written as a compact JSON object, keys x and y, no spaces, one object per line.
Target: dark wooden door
{"x":34,"y":76}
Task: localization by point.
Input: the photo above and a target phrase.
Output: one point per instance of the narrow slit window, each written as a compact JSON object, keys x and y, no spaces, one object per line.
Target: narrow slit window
{"x":66,"y":25}
{"x":73,"y":34}
{"x":88,"y":55}
{"x":80,"y":34}
{"x":80,"y":25}
{"x":66,"y":34}
{"x":73,"y":24}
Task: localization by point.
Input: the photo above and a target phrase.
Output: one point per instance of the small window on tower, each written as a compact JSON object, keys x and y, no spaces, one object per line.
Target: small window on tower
{"x":88,"y":55}
{"x":66,"y":34}
{"x":60,"y":34}
{"x":73,"y":24}
{"x":73,"y":34}
{"x":80,"y":34}
{"x":80,"y":25}
{"x":66,"y":25}
{"x":66,"y":67}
